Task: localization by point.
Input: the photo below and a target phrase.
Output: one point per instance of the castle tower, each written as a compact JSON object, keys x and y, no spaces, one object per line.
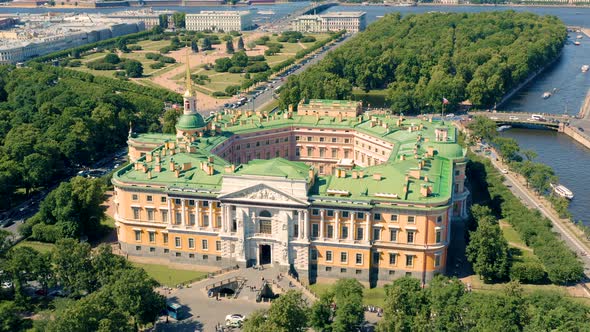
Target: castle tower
{"x":190,"y":122}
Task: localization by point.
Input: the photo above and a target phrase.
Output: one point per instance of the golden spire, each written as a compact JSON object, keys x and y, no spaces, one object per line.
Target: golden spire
{"x":189,"y":87}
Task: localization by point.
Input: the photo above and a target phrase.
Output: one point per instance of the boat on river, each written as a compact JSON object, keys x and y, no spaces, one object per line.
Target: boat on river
{"x":562,"y":191}
{"x":503,"y":128}
{"x":579,"y":37}
{"x":585,"y":68}
{"x":546,"y":94}
{"x":266,"y":12}
{"x":577,"y":43}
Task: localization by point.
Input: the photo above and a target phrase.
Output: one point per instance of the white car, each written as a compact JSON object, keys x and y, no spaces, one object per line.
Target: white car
{"x":513,"y":118}
{"x":234,"y":320}
{"x":504,"y":171}
{"x":494,"y":117}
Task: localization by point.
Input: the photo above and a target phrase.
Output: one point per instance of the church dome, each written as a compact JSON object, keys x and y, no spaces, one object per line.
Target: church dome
{"x":190,"y":122}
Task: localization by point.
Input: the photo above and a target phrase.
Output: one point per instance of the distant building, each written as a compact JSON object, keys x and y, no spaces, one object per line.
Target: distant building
{"x":148,"y":17}
{"x":219,"y":21}
{"x":337,"y":21}
{"x":333,"y":108}
{"x":42,"y":35}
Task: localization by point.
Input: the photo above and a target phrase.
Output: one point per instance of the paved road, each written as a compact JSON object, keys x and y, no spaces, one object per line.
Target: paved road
{"x":530,"y":200}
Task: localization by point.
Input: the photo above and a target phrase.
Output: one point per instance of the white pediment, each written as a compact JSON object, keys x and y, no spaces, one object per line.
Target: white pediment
{"x":262,"y":193}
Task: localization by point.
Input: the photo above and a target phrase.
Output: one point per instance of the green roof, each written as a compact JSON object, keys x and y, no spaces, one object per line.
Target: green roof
{"x":276,"y":167}
{"x":190,"y":121}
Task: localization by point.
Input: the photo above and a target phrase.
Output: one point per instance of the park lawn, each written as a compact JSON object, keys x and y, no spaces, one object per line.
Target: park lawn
{"x":219,"y":81}
{"x":39,"y":246}
{"x":371,"y":296}
{"x":168,"y":276}
{"x":93,"y":56}
{"x":152,"y":45}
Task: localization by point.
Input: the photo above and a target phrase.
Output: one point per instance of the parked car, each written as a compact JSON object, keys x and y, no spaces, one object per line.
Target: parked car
{"x":504,"y":171}
{"x":234,"y":320}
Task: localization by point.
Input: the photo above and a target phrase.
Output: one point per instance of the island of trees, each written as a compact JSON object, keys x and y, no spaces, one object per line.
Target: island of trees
{"x":421,"y":59}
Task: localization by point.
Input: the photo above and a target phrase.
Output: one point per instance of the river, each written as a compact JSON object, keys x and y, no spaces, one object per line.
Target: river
{"x":567,"y":157}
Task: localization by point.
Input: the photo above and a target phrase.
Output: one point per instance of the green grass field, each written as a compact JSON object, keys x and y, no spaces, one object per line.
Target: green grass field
{"x":39,"y":246}
{"x":168,"y":276}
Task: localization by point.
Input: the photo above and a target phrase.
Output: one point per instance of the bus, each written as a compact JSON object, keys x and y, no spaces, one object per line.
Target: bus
{"x":537,"y":117}
{"x":173,"y":310}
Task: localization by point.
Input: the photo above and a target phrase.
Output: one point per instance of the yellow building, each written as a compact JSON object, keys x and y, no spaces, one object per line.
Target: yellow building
{"x":369,"y":197}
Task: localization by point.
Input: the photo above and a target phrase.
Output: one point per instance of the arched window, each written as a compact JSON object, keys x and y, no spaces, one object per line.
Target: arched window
{"x":265,"y":214}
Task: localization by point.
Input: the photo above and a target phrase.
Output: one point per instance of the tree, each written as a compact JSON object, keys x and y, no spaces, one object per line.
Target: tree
{"x":256,"y":322}
{"x":446,"y":309}
{"x":483,"y":128}
{"x":222,"y":64}
{"x":320,"y":316}
{"x":133,"y":68}
{"x":73,"y":267}
{"x":405,"y":303}
{"x":348,"y":297}
{"x":289,"y":312}
{"x":241,"y":44}
{"x":21,"y":267}
{"x":488,"y":250}
{"x":112,"y":58}
{"x":9,"y":318}
{"x":163,"y":21}
{"x":194,"y":46}
{"x":206,"y":46}
{"x":251,"y":44}
{"x":169,"y":121}
{"x":239,"y":59}
{"x":179,"y":20}
{"x":508,"y":148}
{"x":229,"y":47}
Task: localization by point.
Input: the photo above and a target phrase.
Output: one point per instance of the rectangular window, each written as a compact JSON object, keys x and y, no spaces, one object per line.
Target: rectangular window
{"x":410,"y":237}
{"x":191,"y":255}
{"x":177,"y":242}
{"x":330,"y":231}
{"x":360,"y":215}
{"x":205,"y":203}
{"x":138,"y":248}
{"x":376,"y":234}
{"x":438,"y":236}
{"x":392,"y":258}
{"x":359,"y":233}
{"x":205,"y":257}
{"x":393,"y":235}
{"x":164,"y":216}
{"x":138,"y":236}
{"x":150,"y":214}
{"x":163,"y":199}
{"x":343,"y":257}
{"x":344,"y":232}
{"x":295,"y":230}
{"x":377,"y":216}
{"x":134,"y":197}
{"x":309,"y":138}
{"x":315,"y":212}
{"x":178,"y":218}
{"x":191,"y":202}
{"x":191,"y":243}
{"x":315,"y":230}
{"x":218,"y":222}
{"x":177,"y":201}
{"x":314,"y":255}
{"x":393,"y":218}
{"x":218,"y":245}
{"x":205,"y":244}
{"x":328,"y":268}
{"x":136,"y":213}
{"x":376,"y":257}
{"x":166,"y":251}
{"x":411,"y":219}
{"x":165,"y":238}
{"x":439,"y":219}
{"x":152,"y":236}
{"x":345,"y":214}
{"x":192,"y":219}
{"x":309,"y":152}
{"x":328,"y":256}
{"x":359,"y":259}
{"x":149,"y":198}
{"x":205,"y":221}
{"x":322,"y":152}
{"x":334,"y":140}
{"x":152,"y":249}
{"x":322,"y":139}
{"x":409,"y":260}
{"x":334,"y":153}
{"x":342,"y":270}
{"x":437,"y":260}
{"x":330,"y":213}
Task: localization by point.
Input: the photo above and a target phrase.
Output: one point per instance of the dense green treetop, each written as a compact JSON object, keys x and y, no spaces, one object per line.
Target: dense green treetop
{"x":422,"y":58}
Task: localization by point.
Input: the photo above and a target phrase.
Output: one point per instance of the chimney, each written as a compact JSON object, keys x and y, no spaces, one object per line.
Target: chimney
{"x":210,"y":169}
{"x":149,"y":157}
{"x":355,"y":175}
{"x":430,"y":150}
{"x":377,"y":176}
{"x":290,"y":108}
{"x":424,"y":190}
{"x":186,"y":166}
{"x":311,"y":173}
{"x":415,"y":173}
{"x":407,"y":178}
{"x":361,"y":174}
{"x":144,"y":168}
{"x":210,"y":159}
{"x":158,"y":168}
{"x":229,"y":168}
{"x":426,"y":179}
{"x":177,"y":172}
{"x":171,"y":165}
{"x":149,"y":175}
{"x":405,"y":188}
{"x":158,"y":159}
{"x":402,"y":157}
{"x":137,"y":166}
{"x":172,"y":152}
{"x":419,"y":165}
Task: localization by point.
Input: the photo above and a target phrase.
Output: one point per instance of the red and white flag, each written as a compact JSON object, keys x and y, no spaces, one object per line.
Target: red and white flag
{"x":445,"y":101}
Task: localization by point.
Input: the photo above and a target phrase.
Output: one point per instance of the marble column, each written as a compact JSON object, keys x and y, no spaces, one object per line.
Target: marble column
{"x":322,"y":225}
{"x":169,"y":211}
{"x":306,"y":225}
{"x":211,"y":215}
{"x":368,"y":226}
{"x":197,"y":214}
{"x":337,"y":224}
{"x":183,"y":204}
{"x":300,"y":224}
{"x":351,"y":228}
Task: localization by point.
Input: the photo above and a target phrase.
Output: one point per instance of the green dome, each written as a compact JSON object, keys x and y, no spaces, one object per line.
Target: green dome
{"x":190,"y":121}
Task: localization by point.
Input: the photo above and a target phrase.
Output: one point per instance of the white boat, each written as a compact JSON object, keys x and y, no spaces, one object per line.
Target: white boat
{"x":546,"y":94}
{"x":266,"y":12}
{"x":579,"y":37}
{"x":562,"y":191}
{"x":585,"y":68}
{"x":577,"y":43}
{"x":502,"y":128}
